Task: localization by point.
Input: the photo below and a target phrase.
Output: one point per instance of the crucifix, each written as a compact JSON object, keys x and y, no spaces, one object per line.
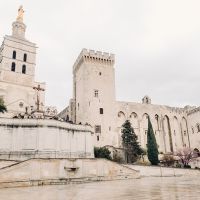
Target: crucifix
{"x":38,"y":103}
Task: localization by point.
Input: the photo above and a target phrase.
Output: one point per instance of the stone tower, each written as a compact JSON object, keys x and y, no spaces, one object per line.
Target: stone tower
{"x":94,"y":92}
{"x":17,"y":68}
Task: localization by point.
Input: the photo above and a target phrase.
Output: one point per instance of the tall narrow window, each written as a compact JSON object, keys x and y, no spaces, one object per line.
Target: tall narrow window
{"x":96,"y":93}
{"x":192,"y":130}
{"x":157,"y":121}
{"x":174,"y":132}
{"x":101,"y":111}
{"x":14,"y":55}
{"x":198,"y":128}
{"x":97,"y":129}
{"x":13,"y":67}
{"x":25,"y":57}
{"x":24,"y":69}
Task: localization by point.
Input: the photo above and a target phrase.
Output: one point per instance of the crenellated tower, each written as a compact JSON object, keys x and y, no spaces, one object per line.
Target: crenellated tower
{"x":94,"y":92}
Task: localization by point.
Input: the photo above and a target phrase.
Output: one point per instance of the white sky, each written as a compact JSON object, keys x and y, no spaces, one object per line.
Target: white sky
{"x":156,"y":43}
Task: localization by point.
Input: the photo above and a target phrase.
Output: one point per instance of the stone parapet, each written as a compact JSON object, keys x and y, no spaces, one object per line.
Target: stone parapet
{"x":43,"y":123}
{"x":30,"y":154}
{"x":193,"y":111}
{"x":92,"y":56}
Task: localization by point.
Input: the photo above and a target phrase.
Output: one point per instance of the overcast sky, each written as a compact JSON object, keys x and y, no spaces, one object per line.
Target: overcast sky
{"x":156,"y":43}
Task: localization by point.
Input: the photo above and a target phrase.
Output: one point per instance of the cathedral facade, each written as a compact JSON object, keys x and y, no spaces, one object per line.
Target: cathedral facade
{"x":17,"y":71}
{"x":94,"y":103}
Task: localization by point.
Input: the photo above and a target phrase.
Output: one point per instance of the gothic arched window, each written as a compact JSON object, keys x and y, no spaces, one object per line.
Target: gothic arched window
{"x":157,"y":122}
{"x":25,"y":57}
{"x":24,"y":69}
{"x":198,"y":128}
{"x":13,"y":67}
{"x":14,"y":55}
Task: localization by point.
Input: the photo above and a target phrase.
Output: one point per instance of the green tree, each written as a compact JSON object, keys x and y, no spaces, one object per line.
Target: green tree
{"x":102,"y":152}
{"x":152,"y":148}
{"x":130,"y":143}
{"x":2,"y":106}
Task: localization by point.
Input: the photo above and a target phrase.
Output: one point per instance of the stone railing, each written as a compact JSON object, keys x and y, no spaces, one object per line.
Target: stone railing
{"x":29,"y":154}
{"x":43,"y":123}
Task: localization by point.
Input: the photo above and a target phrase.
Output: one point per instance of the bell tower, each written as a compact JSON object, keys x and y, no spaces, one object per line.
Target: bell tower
{"x":18,"y":27}
{"x":18,"y":55}
{"x":17,"y":68}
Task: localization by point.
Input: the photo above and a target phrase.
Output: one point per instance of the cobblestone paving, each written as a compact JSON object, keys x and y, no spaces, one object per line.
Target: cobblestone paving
{"x":166,"y":188}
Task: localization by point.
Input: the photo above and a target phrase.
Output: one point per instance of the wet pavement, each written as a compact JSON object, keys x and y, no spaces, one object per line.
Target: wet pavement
{"x":165,"y":188}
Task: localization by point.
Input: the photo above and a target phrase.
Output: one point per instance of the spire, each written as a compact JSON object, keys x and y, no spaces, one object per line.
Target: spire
{"x":19,"y":27}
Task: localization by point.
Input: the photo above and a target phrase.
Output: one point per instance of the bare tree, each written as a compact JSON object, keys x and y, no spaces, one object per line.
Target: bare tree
{"x":186,"y":155}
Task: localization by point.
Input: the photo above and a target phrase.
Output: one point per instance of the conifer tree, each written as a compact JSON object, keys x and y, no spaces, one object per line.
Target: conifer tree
{"x":2,"y":106}
{"x":130,"y":143}
{"x":152,"y":148}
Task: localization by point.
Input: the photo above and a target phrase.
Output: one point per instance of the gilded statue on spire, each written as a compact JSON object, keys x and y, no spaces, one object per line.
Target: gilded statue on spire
{"x":20,"y":14}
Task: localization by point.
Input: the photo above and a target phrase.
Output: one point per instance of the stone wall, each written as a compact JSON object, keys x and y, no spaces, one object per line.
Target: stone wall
{"x":164,"y":171}
{"x":194,"y":127}
{"x":169,"y":124}
{"x":22,"y":139}
{"x":63,"y":171}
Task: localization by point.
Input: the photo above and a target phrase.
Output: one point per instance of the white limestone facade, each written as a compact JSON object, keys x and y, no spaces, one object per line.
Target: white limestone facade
{"x":22,"y":139}
{"x":94,"y":103}
{"x":17,"y":71}
{"x":194,"y":126}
